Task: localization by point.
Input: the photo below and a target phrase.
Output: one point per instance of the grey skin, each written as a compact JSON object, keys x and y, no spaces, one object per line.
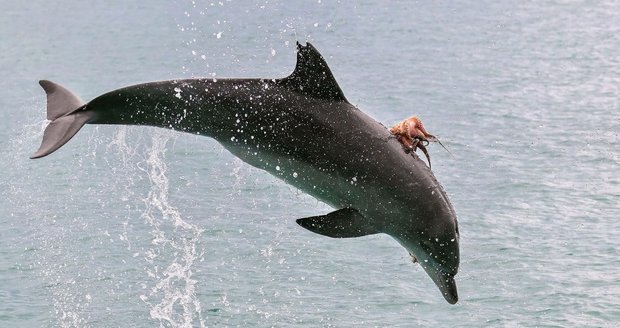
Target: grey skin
{"x":302,"y":130}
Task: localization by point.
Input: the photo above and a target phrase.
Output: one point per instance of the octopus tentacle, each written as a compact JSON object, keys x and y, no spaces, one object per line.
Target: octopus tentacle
{"x":428,"y":157}
{"x":412,"y":135}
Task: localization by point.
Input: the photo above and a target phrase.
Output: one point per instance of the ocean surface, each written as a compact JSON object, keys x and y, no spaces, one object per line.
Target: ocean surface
{"x":145,"y":227}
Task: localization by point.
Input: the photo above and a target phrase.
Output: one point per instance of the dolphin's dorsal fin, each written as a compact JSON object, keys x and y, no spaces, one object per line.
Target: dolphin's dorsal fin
{"x":312,"y":76}
{"x":343,"y":223}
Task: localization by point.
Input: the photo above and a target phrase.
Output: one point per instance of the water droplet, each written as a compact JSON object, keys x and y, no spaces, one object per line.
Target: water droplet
{"x":295,"y":175}
{"x":277,"y":168}
{"x":178,"y":92}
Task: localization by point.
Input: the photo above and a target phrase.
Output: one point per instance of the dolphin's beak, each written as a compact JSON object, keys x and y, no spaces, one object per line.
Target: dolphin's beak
{"x":445,"y":282}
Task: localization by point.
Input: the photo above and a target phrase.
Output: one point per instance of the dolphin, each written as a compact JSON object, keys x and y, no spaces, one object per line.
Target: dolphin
{"x":301,"y":129}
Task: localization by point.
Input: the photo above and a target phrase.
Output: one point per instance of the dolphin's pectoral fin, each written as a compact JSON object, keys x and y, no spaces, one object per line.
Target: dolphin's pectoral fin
{"x":343,"y":223}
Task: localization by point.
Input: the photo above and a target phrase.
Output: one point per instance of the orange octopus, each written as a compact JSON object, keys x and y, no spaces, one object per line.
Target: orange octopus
{"x":411,"y":133}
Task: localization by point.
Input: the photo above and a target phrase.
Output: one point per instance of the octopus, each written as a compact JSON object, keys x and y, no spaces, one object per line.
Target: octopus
{"x":412,"y":135}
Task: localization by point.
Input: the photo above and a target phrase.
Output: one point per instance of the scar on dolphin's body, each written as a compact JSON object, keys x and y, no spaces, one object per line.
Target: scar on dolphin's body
{"x":292,"y":127}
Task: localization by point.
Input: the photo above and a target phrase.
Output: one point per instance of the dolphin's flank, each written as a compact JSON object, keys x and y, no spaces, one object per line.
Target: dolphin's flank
{"x":292,"y":128}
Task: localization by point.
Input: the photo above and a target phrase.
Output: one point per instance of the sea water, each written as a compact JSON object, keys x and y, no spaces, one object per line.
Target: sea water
{"x":143,"y":227}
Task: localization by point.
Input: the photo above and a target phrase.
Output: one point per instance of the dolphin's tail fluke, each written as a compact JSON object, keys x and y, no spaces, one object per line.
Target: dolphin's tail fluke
{"x":62,"y":110}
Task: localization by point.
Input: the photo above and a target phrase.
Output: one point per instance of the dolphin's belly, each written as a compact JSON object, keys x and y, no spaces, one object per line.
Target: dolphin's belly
{"x":329,"y":187}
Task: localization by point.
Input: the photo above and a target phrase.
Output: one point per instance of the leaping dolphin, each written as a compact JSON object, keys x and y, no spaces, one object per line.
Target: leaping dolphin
{"x":301,"y":129}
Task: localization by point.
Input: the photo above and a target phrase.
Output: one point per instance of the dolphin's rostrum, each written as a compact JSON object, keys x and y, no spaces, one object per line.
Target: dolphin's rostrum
{"x":302,"y":130}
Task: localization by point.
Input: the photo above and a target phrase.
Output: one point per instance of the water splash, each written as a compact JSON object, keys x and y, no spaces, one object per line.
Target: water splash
{"x":62,"y":237}
{"x":173,"y":299}
{"x":43,"y":251}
